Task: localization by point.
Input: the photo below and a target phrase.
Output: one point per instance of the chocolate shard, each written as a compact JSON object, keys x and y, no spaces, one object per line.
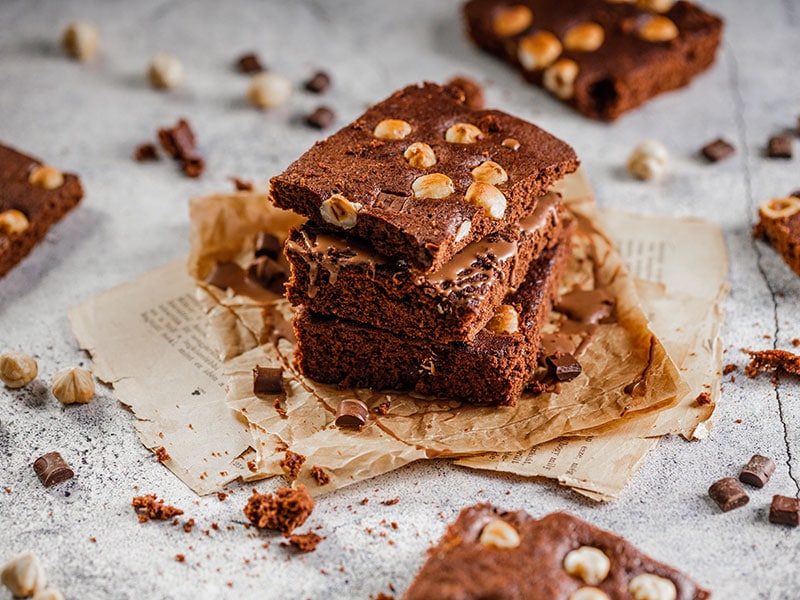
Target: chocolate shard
{"x":319,"y":82}
{"x":268,"y":273}
{"x":249,"y":63}
{"x":351,"y":413}
{"x":717,"y":150}
{"x":728,"y":494}
{"x":52,"y":469}
{"x":564,"y":367}
{"x":757,"y":471}
{"x":780,"y":146}
{"x":267,"y":380}
{"x":268,"y":244}
{"x":784,"y":511}
{"x":178,"y":141}
{"x":321,"y":118}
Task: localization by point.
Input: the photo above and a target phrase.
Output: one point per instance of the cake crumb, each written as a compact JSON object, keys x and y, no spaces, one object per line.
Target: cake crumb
{"x":286,"y":510}
{"x":188,"y":526}
{"x":292,"y":463}
{"x":221,"y":496}
{"x":796,"y":342}
{"x":180,"y":557}
{"x":775,"y":361}
{"x":320,"y":476}
{"x":161,"y":454}
{"x":730,"y":368}
{"x":394,"y":500}
{"x":703,"y":399}
{"x":305,"y":542}
{"x":150,"y":507}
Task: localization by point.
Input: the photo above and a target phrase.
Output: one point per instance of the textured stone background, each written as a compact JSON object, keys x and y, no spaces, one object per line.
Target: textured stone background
{"x":89,"y":118}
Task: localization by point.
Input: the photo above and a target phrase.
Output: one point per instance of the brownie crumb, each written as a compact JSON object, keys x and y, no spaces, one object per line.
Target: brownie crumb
{"x":382,"y":596}
{"x":279,"y":409}
{"x":320,"y":476}
{"x":221,"y":496}
{"x":319,"y":82}
{"x":93,"y":539}
{"x":703,"y":399}
{"x":180,"y":557}
{"x":285,"y":510}
{"x":728,"y":369}
{"x":321,"y":118}
{"x":382,"y":408}
{"x":249,"y":63}
{"x":364,"y":501}
{"x":188,"y":526}
{"x":179,"y":143}
{"x":150,"y":507}
{"x":774,"y":361}
{"x":394,"y":500}
{"x":796,"y":342}
{"x":162,"y":454}
{"x":146,"y":152}
{"x":292,"y":463}
{"x":241,"y":185}
{"x":305,"y":542}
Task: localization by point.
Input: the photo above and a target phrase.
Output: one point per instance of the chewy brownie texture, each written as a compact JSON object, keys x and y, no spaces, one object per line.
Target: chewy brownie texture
{"x":602,"y":57}
{"x":421,"y":175}
{"x":492,"y":369}
{"x":336,"y":275}
{"x":779,"y":224}
{"x":34,"y":197}
{"x":489,"y":553}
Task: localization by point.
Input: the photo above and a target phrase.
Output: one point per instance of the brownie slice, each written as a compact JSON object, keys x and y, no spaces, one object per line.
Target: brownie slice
{"x":603,"y":58}
{"x":337,"y":276}
{"x":489,"y":553}
{"x":421,"y":175}
{"x":779,"y":224}
{"x":492,"y":369}
{"x":33,"y":198}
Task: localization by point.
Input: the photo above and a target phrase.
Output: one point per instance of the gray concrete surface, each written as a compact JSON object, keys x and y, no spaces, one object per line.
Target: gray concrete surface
{"x":89,"y":118}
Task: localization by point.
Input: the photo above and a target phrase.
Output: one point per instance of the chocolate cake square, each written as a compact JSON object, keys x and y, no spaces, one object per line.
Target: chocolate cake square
{"x":779,"y":224}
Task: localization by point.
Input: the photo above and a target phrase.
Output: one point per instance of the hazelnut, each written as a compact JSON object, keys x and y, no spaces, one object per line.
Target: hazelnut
{"x":648,"y":160}
{"x":584,"y":37}
{"x":463,"y":133}
{"x":17,"y":369}
{"x":652,"y":587}
{"x":511,"y":144}
{"x":560,"y":77}
{"x":499,"y":534}
{"x":505,"y":320}
{"x":420,"y":155}
{"x":538,"y":50}
{"x":23,"y":575}
{"x":778,"y":208}
{"x":48,"y":594}
{"x":512,"y":20}
{"x":588,"y":593}
{"x":490,"y":172}
{"x":655,"y":5}
{"x":268,"y":90}
{"x":165,"y":71}
{"x":80,"y":40}
{"x":435,"y":185}
{"x":487,"y":197}
{"x":46,"y":177}
{"x":73,"y":385}
{"x":657,"y":28}
{"x":338,"y":210}
{"x":588,"y":563}
{"x":13,"y":221}
{"x":463,"y":230}
{"x":392,"y":129}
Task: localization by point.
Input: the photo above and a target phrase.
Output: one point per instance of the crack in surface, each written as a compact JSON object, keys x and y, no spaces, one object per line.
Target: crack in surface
{"x":741,"y":129}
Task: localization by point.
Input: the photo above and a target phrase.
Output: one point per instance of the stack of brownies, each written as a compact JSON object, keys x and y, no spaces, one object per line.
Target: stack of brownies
{"x":433,"y":249}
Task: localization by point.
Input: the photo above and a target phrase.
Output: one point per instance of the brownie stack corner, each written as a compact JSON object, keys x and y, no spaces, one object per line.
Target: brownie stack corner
{"x":433,"y":250}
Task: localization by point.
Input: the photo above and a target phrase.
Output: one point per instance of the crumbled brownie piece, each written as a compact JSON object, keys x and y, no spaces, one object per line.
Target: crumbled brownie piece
{"x":249,"y":63}
{"x":321,"y":118}
{"x":179,"y":143}
{"x":319,"y":82}
{"x":241,"y":185}
{"x":779,"y":224}
{"x":146,"y":152}
{"x":180,"y":557}
{"x":305,"y":542}
{"x":161,"y":454}
{"x":391,"y":501}
{"x":150,"y":507}
{"x":286,"y":510}
{"x":383,"y":408}
{"x":188,"y":526}
{"x":729,"y":368}
{"x":780,"y":361}
{"x":320,"y":476}
{"x":703,"y":399}
{"x":292,"y":463}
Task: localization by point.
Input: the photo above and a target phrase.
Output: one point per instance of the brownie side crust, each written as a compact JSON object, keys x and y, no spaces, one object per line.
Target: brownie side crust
{"x":375,"y":177}
{"x":625,"y":70}
{"x":42,"y":207}
{"x":779,"y":224}
{"x":460,"y":567}
{"x":337,"y":276}
{"x":492,"y":369}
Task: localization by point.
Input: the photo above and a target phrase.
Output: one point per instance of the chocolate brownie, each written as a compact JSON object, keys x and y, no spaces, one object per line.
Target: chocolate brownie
{"x":338,"y":276}
{"x":779,"y":224}
{"x":492,"y":369}
{"x":489,"y":553}
{"x":601,"y":57}
{"x":35,"y":196}
{"x":421,"y":175}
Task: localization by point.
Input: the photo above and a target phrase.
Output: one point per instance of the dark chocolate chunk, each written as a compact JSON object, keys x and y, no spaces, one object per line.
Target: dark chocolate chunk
{"x":728,"y":494}
{"x":146,"y":152}
{"x":758,"y":471}
{"x":784,"y":511}
{"x":564,"y":367}
{"x":52,"y":469}
{"x":717,"y":150}
{"x":241,"y":185}
{"x":268,"y":244}
{"x":193,"y":166}
{"x":319,"y":82}
{"x":249,"y":63}
{"x":321,"y":118}
{"x":268,"y":273}
{"x":178,"y":141}
{"x":780,"y":146}
{"x":351,"y":413}
{"x":267,"y":380}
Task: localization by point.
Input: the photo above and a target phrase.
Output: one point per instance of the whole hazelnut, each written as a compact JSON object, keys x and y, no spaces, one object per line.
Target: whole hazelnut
{"x":48,"y":594}
{"x":435,"y":185}
{"x":23,"y":575}
{"x":73,"y":385}
{"x":13,"y":221}
{"x":648,"y":160}
{"x":17,"y":369}
{"x":46,"y":177}
{"x":165,"y":71}
{"x":488,"y":197}
{"x":80,"y":40}
{"x":338,"y":210}
{"x":420,"y":155}
{"x":463,"y":133}
{"x":392,"y":129}
{"x":268,"y":90}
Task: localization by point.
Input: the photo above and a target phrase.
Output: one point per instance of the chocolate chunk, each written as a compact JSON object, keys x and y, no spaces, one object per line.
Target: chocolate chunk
{"x":351,"y":413}
{"x":178,"y":141}
{"x":587,"y":306}
{"x":564,"y":367}
{"x":241,"y":185}
{"x":52,"y":469}
{"x":268,"y":273}
{"x":319,"y":82}
{"x":758,"y":471}
{"x":146,"y":152}
{"x":321,"y":118}
{"x":780,"y":146}
{"x":193,"y":166}
{"x":728,"y":494}
{"x":267,"y":380}
{"x":249,"y":63}
{"x":784,"y":511}
{"x":717,"y":150}
{"x":268,"y":244}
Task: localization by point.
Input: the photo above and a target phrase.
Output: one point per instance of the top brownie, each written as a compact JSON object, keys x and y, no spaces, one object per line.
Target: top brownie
{"x":421,"y":175}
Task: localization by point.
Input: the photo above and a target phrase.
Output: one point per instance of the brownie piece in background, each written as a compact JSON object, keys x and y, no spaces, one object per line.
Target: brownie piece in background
{"x":779,"y":224}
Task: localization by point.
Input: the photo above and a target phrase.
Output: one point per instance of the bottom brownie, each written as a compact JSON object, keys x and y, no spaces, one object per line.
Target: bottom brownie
{"x":492,"y":369}
{"x":779,"y":224}
{"x":488,"y":553}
